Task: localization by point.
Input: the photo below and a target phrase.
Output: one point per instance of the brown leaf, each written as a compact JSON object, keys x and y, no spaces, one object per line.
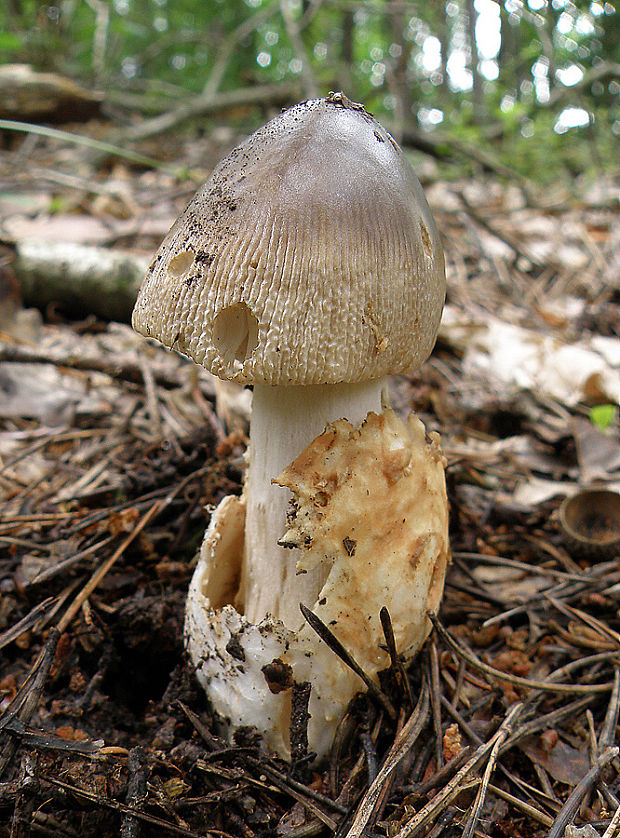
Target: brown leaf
{"x":562,"y":761}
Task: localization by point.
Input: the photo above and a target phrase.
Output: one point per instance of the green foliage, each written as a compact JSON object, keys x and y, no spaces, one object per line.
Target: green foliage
{"x":401,"y":61}
{"x":604,"y":416}
{"x":9,"y":43}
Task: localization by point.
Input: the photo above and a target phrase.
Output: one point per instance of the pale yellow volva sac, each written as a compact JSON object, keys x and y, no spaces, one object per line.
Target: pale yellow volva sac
{"x":308,"y":265}
{"x":369,"y":512}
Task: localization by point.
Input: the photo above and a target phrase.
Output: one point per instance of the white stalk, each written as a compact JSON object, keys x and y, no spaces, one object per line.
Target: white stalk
{"x":284,"y":421}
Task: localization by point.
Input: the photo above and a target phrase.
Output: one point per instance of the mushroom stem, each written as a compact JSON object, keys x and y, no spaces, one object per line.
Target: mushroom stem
{"x":284,"y":421}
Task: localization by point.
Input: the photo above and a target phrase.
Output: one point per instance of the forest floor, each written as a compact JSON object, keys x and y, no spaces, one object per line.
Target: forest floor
{"x":113,"y":451}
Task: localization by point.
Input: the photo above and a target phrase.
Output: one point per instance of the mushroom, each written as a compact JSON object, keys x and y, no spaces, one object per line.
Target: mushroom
{"x":309,"y":266}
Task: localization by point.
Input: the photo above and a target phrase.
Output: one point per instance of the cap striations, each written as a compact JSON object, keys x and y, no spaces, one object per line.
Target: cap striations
{"x":310,"y":256}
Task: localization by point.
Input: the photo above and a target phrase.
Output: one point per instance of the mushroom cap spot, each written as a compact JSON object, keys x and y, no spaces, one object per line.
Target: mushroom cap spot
{"x":180,"y":263}
{"x":235,"y":332}
{"x":319,"y":227}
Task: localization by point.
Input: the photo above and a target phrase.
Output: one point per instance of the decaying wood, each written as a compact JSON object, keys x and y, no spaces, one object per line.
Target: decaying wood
{"x":83,"y":280}
{"x":29,"y":96}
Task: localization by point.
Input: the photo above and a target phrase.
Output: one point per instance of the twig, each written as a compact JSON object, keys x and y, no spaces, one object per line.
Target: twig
{"x":402,"y":746}
{"x":152,"y":404}
{"x":281,"y":93}
{"x":370,"y":752}
{"x":100,"y":35}
{"x":506,"y":239}
{"x":549,"y":720}
{"x":422,"y":788}
{"x":282,"y":783}
{"x":129,"y":810}
{"x":482,"y":558}
{"x":211,"y":741}
{"x":347,"y":658}
{"x":63,"y":565}
{"x":607,"y":734}
{"x":26,"y":622}
{"x":346,"y":792}
{"x":614,"y":824}
{"x":486,"y":779}
{"x":27,"y":787}
{"x":292,"y":29}
{"x":25,"y":702}
{"x":436,"y":703}
{"x":397,"y":667}
{"x":465,"y":727}
{"x":450,"y":791}
{"x":583,"y":787}
{"x":301,"y":788}
{"x":583,"y":663}
{"x":245,"y":28}
{"x":298,"y":727}
{"x":601,"y":70}
{"x":136,"y":792}
{"x":596,"y":625}
{"x":42,"y":739}
{"x":514,"y":679}
{"x":115,"y":367}
{"x":102,"y":571}
{"x":524,"y":807}
{"x":546,"y":795}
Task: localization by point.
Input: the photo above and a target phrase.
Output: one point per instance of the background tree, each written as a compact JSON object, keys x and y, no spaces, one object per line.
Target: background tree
{"x":511,"y":74}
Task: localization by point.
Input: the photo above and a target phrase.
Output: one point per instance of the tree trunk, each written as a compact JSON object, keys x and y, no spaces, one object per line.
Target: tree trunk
{"x":477,"y":81}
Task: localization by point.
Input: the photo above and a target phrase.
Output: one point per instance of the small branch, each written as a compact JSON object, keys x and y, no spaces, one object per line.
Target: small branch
{"x":602,"y":70}
{"x":614,"y":824}
{"x":226,"y":50}
{"x":459,"y":782}
{"x":205,"y":103}
{"x":403,"y":744}
{"x":607,"y":734}
{"x":397,"y":667}
{"x":524,"y":807}
{"x":88,"y":142}
{"x":292,"y":29}
{"x":298,"y":730}
{"x":102,"y":571}
{"x":514,"y":679}
{"x":152,"y":403}
{"x":436,"y":703}
{"x":136,"y":792}
{"x":486,"y":779}
{"x":115,"y":806}
{"x":502,"y":236}
{"x":26,"y":622}
{"x":123,"y":369}
{"x":583,"y":787}
{"x":100,"y":35}
{"x":25,"y":702}
{"x":292,"y":788}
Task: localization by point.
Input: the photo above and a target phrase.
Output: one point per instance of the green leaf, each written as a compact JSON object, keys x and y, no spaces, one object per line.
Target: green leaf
{"x":604,"y":416}
{"x":10,"y":41}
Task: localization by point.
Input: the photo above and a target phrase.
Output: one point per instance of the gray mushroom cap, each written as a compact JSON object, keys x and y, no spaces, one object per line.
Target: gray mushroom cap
{"x":310,"y":256}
